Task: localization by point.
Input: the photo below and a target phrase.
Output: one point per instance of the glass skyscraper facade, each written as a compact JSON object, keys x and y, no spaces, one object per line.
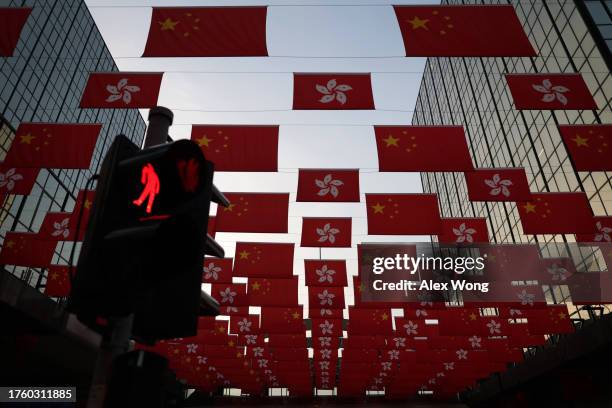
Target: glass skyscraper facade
{"x":43,"y":82}
{"x":473,"y":92}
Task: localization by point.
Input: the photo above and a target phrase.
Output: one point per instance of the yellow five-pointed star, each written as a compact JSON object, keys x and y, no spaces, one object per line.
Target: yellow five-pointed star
{"x":27,"y":139}
{"x":168,"y":24}
{"x":529,"y":207}
{"x":10,"y":244}
{"x":230,"y":207}
{"x":244,"y":255}
{"x":473,"y":316}
{"x":378,"y":208}
{"x":385,"y":316}
{"x":256,"y":286}
{"x":581,"y":141}
{"x":296,"y":315}
{"x":204,"y":141}
{"x":391,"y":141}
{"x":87,"y":204}
{"x":418,"y":23}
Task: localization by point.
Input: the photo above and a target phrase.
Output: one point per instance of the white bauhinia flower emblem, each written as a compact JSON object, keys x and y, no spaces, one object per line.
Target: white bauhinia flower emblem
{"x":267,"y":372}
{"x":231,"y":309}
{"x":526,"y":298}
{"x":603,"y":233}
{"x":333,"y":91}
{"x":263,"y":363}
{"x":326,"y":312}
{"x":515,"y":312}
{"x":421,"y":312}
{"x":326,"y":298}
{"x":212,"y":271}
{"x":9,"y":178}
{"x":61,"y":229}
{"x":192,"y":348}
{"x":382,"y":374}
{"x":378,"y":381}
{"x":251,"y":338}
{"x":244,"y":325}
{"x":461,"y":354}
{"x":327,"y":233}
{"x":325,"y":341}
{"x":393,"y":354}
{"x":328,"y":185}
{"x":202,"y":359}
{"x":325,"y":354}
{"x":551,"y":92}
{"x":440,"y":374}
{"x":386,"y":365}
{"x":220,"y":376}
{"x":558,"y":273}
{"x":498,"y":185}
{"x":325,"y":274}
{"x":411,"y":327}
{"x":449,"y":366}
{"x":272,"y":378}
{"x":464,"y":234}
{"x":323,"y":365}
{"x":432,"y":381}
{"x":326,"y":327}
{"x":400,"y":342}
{"x":226,"y":382}
{"x":227,"y":295}
{"x":494,"y":327}
{"x":258,"y":352}
{"x":475,"y":341}
{"x":212,"y":368}
{"x":121,"y":91}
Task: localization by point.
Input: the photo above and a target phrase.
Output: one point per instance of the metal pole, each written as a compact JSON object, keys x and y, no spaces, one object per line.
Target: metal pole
{"x":160,"y":120}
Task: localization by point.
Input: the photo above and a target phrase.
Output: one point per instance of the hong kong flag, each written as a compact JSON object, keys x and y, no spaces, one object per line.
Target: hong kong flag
{"x":332,"y":91}
{"x":121,"y":90}
{"x":330,"y":185}
{"x":550,"y":91}
{"x":273,"y":292}
{"x":326,"y":327}
{"x":254,"y":212}
{"x":207,"y":32}
{"x":589,"y":146}
{"x":259,"y":259}
{"x":462,"y":31}
{"x":556,"y":271}
{"x":26,"y":249}
{"x":217,"y":270}
{"x":547,"y":213}
{"x":314,"y":312}
{"x":58,"y":281}
{"x":230,"y":294}
{"x":244,"y":325}
{"x":403,"y":214}
{"x":503,"y":184}
{"x":282,"y":320}
{"x":17,"y":180}
{"x":57,"y":226}
{"x":325,"y":272}
{"x":464,"y":230}
{"x":602,"y":231}
{"x":12,"y":20}
{"x":53,"y":145}
{"x":326,"y":297}
{"x":422,"y":148}
{"x":326,"y":232}
{"x":238,"y":148}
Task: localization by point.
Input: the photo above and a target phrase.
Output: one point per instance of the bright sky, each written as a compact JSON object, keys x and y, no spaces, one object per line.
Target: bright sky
{"x":344,"y":36}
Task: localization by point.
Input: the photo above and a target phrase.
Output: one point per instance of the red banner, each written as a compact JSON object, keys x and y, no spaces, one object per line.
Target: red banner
{"x":464,"y":230}
{"x":547,"y":213}
{"x":254,"y":212}
{"x":422,"y":148}
{"x":17,"y":180}
{"x":403,"y":214}
{"x":228,"y":294}
{"x":58,"y":281}
{"x":462,"y":31}
{"x":282,"y":320}
{"x":26,"y":249}
{"x":326,"y":297}
{"x":325,"y":272}
{"x":506,"y":184}
{"x":12,"y":21}
{"x":217,"y":270}
{"x":332,"y":91}
{"x":57,"y":226}
{"x":589,"y":146}
{"x":238,"y":148}
{"x":602,"y":231}
{"x":273,"y":292}
{"x":329,"y":185}
{"x":207,"y":32}
{"x":244,"y":325}
{"x":550,"y":91}
{"x":121,"y":90}
{"x":326,"y":232}
{"x":53,"y":145}
{"x":261,"y":259}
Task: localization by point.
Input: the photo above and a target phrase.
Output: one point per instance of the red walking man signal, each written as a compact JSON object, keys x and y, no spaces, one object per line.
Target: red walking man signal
{"x":150,"y":181}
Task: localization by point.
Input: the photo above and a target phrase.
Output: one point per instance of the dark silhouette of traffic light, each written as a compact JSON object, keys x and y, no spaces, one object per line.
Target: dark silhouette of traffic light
{"x":144,"y":247}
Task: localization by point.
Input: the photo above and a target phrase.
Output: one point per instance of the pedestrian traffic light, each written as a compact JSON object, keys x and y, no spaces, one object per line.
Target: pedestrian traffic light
{"x":146,"y":240}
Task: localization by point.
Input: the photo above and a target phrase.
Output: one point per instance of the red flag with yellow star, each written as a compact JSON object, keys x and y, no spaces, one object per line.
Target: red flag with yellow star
{"x":326,"y":232}
{"x":501,"y":184}
{"x":548,"y":213}
{"x":283,"y":320}
{"x":81,"y":211}
{"x":287,"y":340}
{"x":550,"y":91}
{"x":464,"y":230}
{"x":238,"y":148}
{"x":207,"y":32}
{"x":553,"y":319}
{"x":328,"y":185}
{"x":332,"y":91}
{"x":273,"y":292}
{"x":403,"y":214}
{"x":462,"y":31}
{"x":121,"y":90}
{"x":589,"y":146}
{"x":53,"y":145}
{"x":58,"y":281}
{"x":17,"y":180}
{"x":254,"y":212}
{"x":26,"y":249}
{"x":263,"y":259}
{"x":422,"y":148}
{"x":368,"y":321}
{"x":12,"y":20}
{"x":331,"y":272}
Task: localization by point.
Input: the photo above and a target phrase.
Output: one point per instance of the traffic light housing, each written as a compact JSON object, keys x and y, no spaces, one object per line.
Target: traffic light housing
{"x":146,"y":239}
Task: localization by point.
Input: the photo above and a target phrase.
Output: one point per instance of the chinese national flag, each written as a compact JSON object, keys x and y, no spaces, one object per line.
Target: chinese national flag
{"x":591,"y":288}
{"x":403,"y":214}
{"x":462,"y":321}
{"x":326,"y":297}
{"x":282,"y":320}
{"x":326,"y":232}
{"x":287,"y":340}
{"x":325,"y":272}
{"x":462,"y":31}
{"x":340,"y":186}
{"x":602,"y":231}
{"x":17,"y":180}
{"x":26,"y":249}
{"x":217,"y":270}
{"x":464,"y":230}
{"x":507,"y":184}
{"x":228,"y":294}
{"x":53,"y":145}
{"x":238,"y":148}
{"x":511,"y":261}
{"x":332,"y":91}
{"x":548,"y":213}
{"x":553,"y":319}
{"x":121,"y":90}
{"x":254,"y":212}
{"x":422,"y":148}
{"x":207,"y":32}
{"x":368,"y":321}
{"x":260,"y":259}
{"x":58,"y":281}
{"x":589,"y":146}
{"x":12,"y":21}
{"x":550,"y":91}
{"x":273,"y":292}
{"x":82,"y":209}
